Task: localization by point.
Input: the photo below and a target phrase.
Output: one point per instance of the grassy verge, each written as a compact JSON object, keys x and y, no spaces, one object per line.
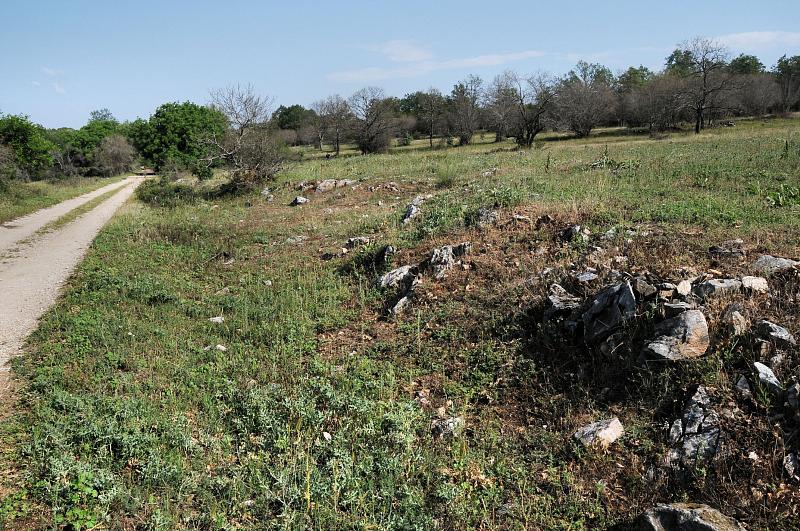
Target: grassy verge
{"x":307,"y":407}
{"x":18,"y":199}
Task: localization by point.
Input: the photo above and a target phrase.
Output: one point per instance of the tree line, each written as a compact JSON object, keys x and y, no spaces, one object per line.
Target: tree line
{"x":699,"y":84}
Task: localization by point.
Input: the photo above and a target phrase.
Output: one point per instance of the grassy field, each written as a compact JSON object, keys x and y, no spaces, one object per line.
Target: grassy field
{"x":18,"y":199}
{"x":309,"y":407}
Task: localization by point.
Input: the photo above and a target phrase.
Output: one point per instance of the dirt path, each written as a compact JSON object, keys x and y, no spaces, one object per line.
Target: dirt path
{"x":20,"y":229}
{"x":30,"y":281}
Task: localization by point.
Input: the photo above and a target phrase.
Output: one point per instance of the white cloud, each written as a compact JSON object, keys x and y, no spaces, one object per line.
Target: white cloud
{"x":52,"y":72}
{"x":59,"y":88}
{"x":36,"y":84}
{"x":403,"y":51}
{"x":761,"y":40}
{"x":418,"y":68}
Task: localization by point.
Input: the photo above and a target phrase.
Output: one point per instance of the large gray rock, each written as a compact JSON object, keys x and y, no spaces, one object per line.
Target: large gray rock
{"x":325,"y":185}
{"x":768,"y":379}
{"x":775,"y":333}
{"x":299,"y":200}
{"x":561,"y":301}
{"x":444,"y":258}
{"x":768,"y":264}
{"x":717,"y":286}
{"x":413,"y":209}
{"x":398,"y":278}
{"x":755,"y":284}
{"x":679,"y":338}
{"x":486,"y":218}
{"x":695,"y":436}
{"x":609,"y":310}
{"x":600,"y":434}
{"x":728,"y":248}
{"x":686,"y":517}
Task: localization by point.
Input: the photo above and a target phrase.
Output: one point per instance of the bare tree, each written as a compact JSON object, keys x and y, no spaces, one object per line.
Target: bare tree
{"x":252,"y":153}
{"x":533,"y":107}
{"x":585,"y":99}
{"x":335,"y":117}
{"x":787,"y":73}
{"x":465,"y":108}
{"x":756,"y":94}
{"x":501,"y":100}
{"x":432,"y":111}
{"x":113,"y":156}
{"x":706,"y":76}
{"x":658,"y":104}
{"x":374,"y":119}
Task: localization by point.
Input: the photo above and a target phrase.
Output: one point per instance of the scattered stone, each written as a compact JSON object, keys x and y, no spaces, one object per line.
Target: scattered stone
{"x":791,"y":465}
{"x":644,"y":289}
{"x":777,"y":334}
{"x":218,"y":319}
{"x":768,"y":379}
{"x":728,"y":248}
{"x":768,"y":264}
{"x":413,"y":209}
{"x":681,"y":337}
{"x":267,"y":193}
{"x":294,"y":240}
{"x":325,"y":185}
{"x":684,"y":288}
{"x":221,"y":348}
{"x":486,"y":218}
{"x":444,"y":258}
{"x":304,"y":186}
{"x":695,"y":436}
{"x":356,"y":241}
{"x":610,"y":308}
{"x":666,"y":290}
{"x":755,"y":284}
{"x":491,"y":172}
{"x":673,"y":309}
{"x":686,"y":517}
{"x":561,"y":301}
{"x":586,"y":276}
{"x":574,"y":233}
{"x":341,"y":183}
{"x":735,"y":320}
{"x":600,"y":434}
{"x":448,"y":427}
{"x":519,"y":218}
{"x":717,"y":286}
{"x":743,"y":387}
{"x":400,"y":277}
{"x":299,"y":200}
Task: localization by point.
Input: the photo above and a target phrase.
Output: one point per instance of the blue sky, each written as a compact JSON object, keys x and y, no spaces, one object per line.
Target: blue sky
{"x":61,"y":59}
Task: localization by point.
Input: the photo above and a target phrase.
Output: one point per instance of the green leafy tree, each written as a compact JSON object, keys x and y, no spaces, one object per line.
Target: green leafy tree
{"x":29,"y":144}
{"x":177,"y":133}
{"x":746,"y":65}
{"x":292,"y":117}
{"x":787,"y":72}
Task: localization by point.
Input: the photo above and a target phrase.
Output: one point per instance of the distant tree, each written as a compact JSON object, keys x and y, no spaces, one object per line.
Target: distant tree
{"x":292,"y":117}
{"x":658,"y":104}
{"x":465,"y":108}
{"x":68,"y":158}
{"x":680,"y":63}
{"x":28,"y":141}
{"x":787,"y":73}
{"x":634,"y":78}
{"x":756,"y":94}
{"x":501,"y":100}
{"x":91,"y":135}
{"x":431,"y":113}
{"x":246,"y":146}
{"x":335,"y":117}
{"x":102,"y":115}
{"x":374,"y":121}
{"x":585,"y":98}
{"x":113,"y":156}
{"x":533,"y":108}
{"x":178,"y":133}
{"x":707,"y":77}
{"x":746,"y":65}
{"x":8,"y":165}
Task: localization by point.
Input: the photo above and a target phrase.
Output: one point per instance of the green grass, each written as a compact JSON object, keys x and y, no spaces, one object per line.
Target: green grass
{"x":132,"y":416}
{"x":18,"y":198}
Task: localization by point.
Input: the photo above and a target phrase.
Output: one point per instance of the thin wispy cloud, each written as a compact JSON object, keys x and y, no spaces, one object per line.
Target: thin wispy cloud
{"x":403,"y":51}
{"x":414,"y":68}
{"x":761,"y":40}
{"x":52,"y":72}
{"x":36,"y":84}
{"x":59,"y":88}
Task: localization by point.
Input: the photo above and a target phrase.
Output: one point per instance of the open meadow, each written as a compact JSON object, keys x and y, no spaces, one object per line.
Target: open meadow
{"x":223,"y":361}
